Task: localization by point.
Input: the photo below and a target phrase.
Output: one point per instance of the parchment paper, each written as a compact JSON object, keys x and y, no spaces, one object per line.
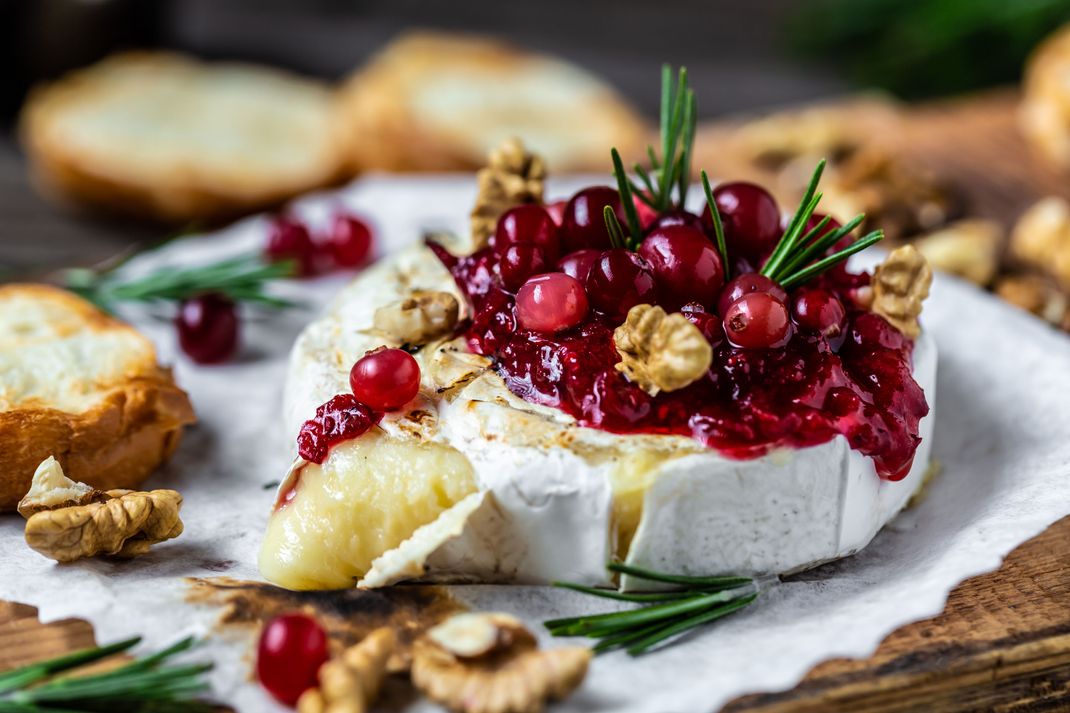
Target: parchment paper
{"x":1002,"y":436}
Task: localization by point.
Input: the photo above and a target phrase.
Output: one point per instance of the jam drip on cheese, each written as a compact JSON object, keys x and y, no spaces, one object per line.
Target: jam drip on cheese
{"x":836,"y":368}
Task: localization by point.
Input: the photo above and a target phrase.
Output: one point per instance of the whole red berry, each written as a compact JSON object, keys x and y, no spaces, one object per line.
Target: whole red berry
{"x":757,"y":320}
{"x":647,"y":215}
{"x":208,"y":328}
{"x":557,"y":211}
{"x":527,"y":224}
{"x":584,"y":224}
{"x":292,"y":648}
{"x":551,"y":303}
{"x":750,"y":217}
{"x":519,"y":262}
{"x":686,"y":264}
{"x":744,"y":284}
{"x":677,"y":217}
{"x":578,"y":264}
{"x":385,"y":379}
{"x":290,"y":240}
{"x":349,"y":240}
{"x":708,"y":323}
{"x":618,"y":281}
{"x":820,"y":311}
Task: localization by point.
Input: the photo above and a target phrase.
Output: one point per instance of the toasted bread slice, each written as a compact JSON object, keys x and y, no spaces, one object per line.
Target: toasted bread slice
{"x":443,"y":102}
{"x":168,"y":137}
{"x":83,"y":387}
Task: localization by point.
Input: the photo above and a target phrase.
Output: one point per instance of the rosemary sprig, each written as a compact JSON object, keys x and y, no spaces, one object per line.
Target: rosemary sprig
{"x":146,"y":684}
{"x":242,"y":279}
{"x":718,"y":226}
{"x":797,"y":257}
{"x":696,"y":601}
{"x":617,"y":238}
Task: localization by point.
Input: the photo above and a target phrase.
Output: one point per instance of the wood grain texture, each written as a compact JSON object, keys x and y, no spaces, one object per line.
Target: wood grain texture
{"x":1003,"y":640}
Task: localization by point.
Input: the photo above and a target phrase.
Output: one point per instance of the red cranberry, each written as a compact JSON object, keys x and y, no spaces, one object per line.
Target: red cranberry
{"x":208,"y":328}
{"x":750,"y":217}
{"x":349,"y":241}
{"x":385,"y":379}
{"x":342,"y":418}
{"x":579,"y":263}
{"x":746,"y":283}
{"x":551,"y":303}
{"x":677,"y":217}
{"x":557,"y":211}
{"x":527,"y":224}
{"x":757,"y":320}
{"x":519,"y":262}
{"x":687,"y":266}
{"x":819,"y":311}
{"x":618,"y":281}
{"x":290,"y":240}
{"x":647,"y":215}
{"x":869,"y":330}
{"x":292,"y":649}
{"x":584,"y":224}
{"x":709,"y":324}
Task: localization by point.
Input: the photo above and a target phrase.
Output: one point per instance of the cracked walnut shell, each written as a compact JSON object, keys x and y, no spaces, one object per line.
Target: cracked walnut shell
{"x":512,"y":176}
{"x":125,"y":523}
{"x":659,"y":351}
{"x":513,"y":676}
{"x":420,"y":318}
{"x":351,"y":682}
{"x":900,"y":285}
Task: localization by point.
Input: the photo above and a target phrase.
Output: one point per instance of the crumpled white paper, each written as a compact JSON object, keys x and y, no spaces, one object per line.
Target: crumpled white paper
{"x":1002,"y":427}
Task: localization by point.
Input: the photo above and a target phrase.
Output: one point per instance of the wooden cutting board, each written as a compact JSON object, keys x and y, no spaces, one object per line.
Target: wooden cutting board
{"x":1003,"y":641}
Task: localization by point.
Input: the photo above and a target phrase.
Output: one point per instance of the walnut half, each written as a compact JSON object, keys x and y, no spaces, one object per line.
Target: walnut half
{"x":420,"y":318}
{"x":511,"y":177}
{"x":508,"y":675}
{"x":659,"y":351}
{"x":900,"y":285}
{"x":65,"y":526}
{"x":1041,"y":239}
{"x":351,"y":682}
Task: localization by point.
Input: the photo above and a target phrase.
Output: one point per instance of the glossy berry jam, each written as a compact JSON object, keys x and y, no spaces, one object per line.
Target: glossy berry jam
{"x":551,"y":303}
{"x":686,"y":266}
{"x":349,"y":241}
{"x":290,"y":240}
{"x":757,"y":320}
{"x":619,"y":280}
{"x":584,"y":223}
{"x":288,"y":658}
{"x":803,"y":391}
{"x":385,"y":379}
{"x":208,"y":328}
{"x":750,"y":217}
{"x":340,"y":419}
{"x":527,"y":225}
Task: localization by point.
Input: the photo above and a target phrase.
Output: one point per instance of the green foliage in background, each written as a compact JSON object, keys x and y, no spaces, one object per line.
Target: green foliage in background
{"x":924,"y":48}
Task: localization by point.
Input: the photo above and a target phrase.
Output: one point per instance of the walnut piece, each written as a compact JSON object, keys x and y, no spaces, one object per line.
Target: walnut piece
{"x":420,"y":318}
{"x":471,"y":635}
{"x":512,"y":176}
{"x":120,"y":523}
{"x":967,"y":248}
{"x":1041,"y":238}
{"x":513,"y":676}
{"x":900,"y":284}
{"x":1038,"y":295}
{"x":659,"y":351}
{"x":50,"y":489}
{"x":350,"y":683}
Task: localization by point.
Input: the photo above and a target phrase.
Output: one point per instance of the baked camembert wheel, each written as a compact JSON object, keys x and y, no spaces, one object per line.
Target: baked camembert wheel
{"x":624,"y":380}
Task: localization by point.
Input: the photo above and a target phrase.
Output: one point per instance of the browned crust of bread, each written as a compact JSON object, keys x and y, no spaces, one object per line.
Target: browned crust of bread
{"x":180,"y":196}
{"x":383,"y":134}
{"x":115,"y":444}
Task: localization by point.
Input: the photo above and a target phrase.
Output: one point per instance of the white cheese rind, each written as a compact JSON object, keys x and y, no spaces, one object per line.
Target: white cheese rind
{"x":552,"y":481}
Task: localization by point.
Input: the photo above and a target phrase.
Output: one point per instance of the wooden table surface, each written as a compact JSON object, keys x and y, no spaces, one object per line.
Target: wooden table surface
{"x":1003,"y":640}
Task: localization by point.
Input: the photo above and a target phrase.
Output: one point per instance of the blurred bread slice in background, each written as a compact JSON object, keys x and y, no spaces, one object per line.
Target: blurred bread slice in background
{"x":83,"y":387}
{"x":167,"y":137}
{"x":441,"y":102}
{"x":1044,"y":114}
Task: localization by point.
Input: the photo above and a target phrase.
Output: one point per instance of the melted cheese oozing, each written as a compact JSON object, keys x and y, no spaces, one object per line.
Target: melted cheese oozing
{"x":369,"y":496}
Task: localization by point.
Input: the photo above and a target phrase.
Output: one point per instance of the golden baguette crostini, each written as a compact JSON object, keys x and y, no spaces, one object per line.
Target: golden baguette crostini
{"x":80,"y":385}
